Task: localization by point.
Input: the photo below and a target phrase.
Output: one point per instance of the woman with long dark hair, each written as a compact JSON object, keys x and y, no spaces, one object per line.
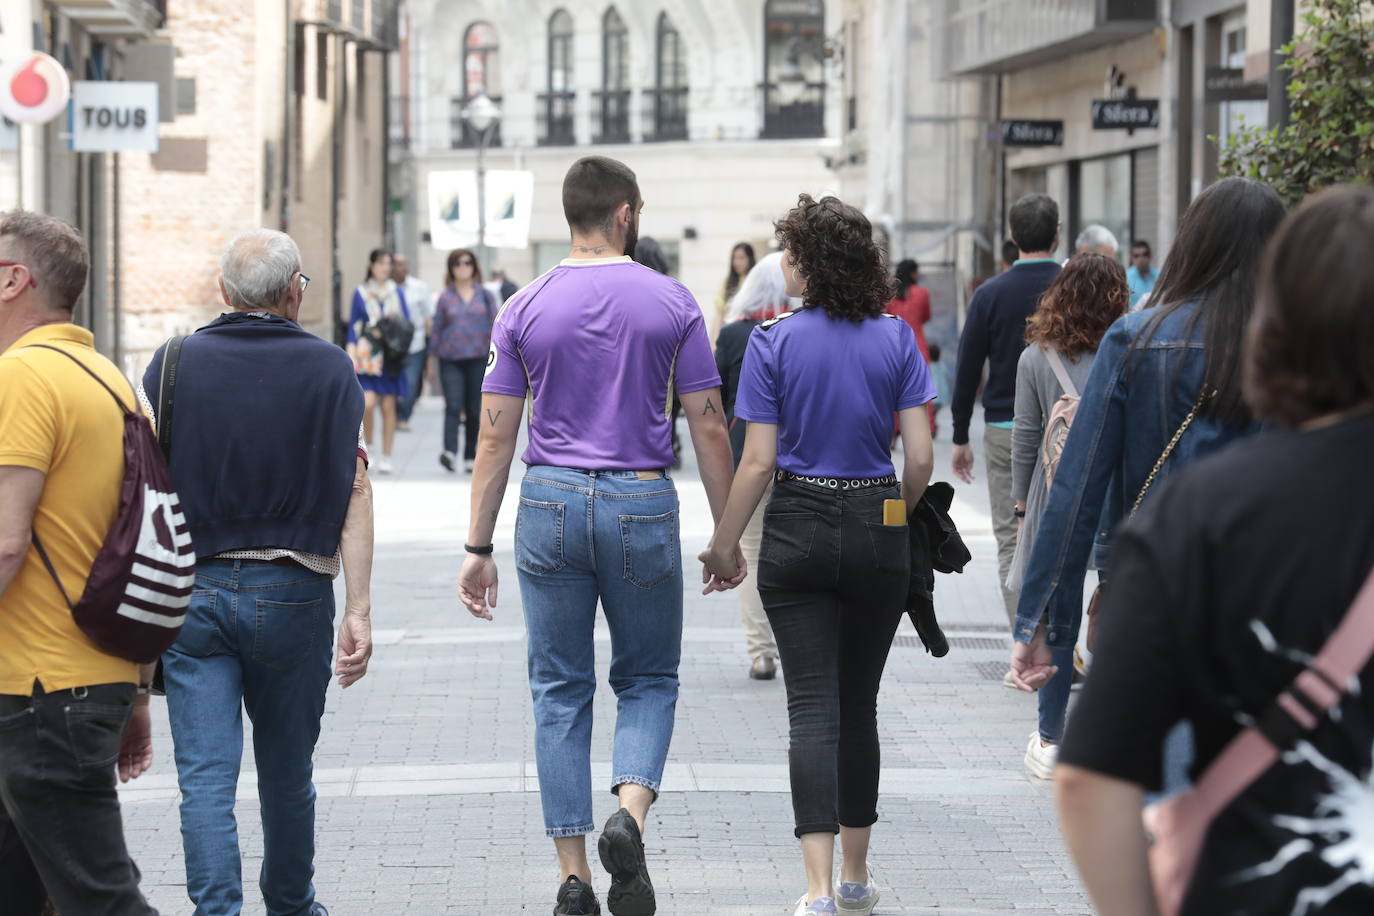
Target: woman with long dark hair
{"x":383,"y":379}
{"x":818,"y":389}
{"x":742,"y":261}
{"x":463,"y":317}
{"x":1224,"y":590}
{"x":1164,"y":391}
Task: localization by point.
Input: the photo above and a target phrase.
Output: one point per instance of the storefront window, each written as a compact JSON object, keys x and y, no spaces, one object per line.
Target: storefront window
{"x":1234,"y":115}
{"x":1104,"y":197}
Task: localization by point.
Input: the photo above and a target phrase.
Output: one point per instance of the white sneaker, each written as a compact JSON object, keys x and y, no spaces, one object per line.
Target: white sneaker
{"x":851,"y":897}
{"x":384,"y":465}
{"x":1041,"y":758}
{"x":467,"y":466}
{"x":821,"y":906}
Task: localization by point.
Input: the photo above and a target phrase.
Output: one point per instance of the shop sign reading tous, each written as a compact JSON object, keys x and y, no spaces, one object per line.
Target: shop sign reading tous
{"x":110,"y":116}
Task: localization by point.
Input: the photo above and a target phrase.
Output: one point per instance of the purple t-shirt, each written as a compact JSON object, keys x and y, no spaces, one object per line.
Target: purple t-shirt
{"x":831,"y":386}
{"x":602,"y":345}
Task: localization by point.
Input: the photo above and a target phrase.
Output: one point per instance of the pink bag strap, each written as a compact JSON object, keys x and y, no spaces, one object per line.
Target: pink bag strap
{"x":1061,"y":372}
{"x":1299,"y":709}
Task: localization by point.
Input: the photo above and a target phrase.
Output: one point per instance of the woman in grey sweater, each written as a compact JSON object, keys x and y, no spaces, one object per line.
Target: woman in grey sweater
{"x":1069,"y":321}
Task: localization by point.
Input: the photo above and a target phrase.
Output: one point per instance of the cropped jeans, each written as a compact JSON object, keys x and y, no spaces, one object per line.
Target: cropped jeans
{"x":258,"y":636}
{"x":580,"y":537}
{"x":834,"y":581}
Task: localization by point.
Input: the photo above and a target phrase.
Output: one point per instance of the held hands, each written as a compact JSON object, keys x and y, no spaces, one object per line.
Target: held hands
{"x":355,"y":646}
{"x":963,"y":462}
{"x":477,"y":585}
{"x":1030,"y":663}
{"x":722,"y":570}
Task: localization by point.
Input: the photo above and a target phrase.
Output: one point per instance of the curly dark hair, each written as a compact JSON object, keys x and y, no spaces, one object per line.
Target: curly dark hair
{"x":832,"y":246}
{"x":1082,"y":302}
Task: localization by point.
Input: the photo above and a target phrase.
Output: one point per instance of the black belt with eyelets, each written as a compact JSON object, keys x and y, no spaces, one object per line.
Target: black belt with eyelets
{"x":837,"y":483}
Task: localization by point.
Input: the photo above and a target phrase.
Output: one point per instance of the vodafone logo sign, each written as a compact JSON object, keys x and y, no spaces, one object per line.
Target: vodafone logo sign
{"x":34,"y":88}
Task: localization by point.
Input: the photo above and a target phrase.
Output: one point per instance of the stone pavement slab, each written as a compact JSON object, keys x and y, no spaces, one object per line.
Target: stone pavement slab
{"x":428,"y":797}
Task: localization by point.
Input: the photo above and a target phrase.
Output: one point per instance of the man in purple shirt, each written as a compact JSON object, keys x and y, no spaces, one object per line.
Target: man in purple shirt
{"x":600,"y":345}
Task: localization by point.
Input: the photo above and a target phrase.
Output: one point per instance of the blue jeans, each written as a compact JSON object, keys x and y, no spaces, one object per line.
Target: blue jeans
{"x":414,"y":371}
{"x":581,"y":536}
{"x":1054,"y":696}
{"x":257,"y":635}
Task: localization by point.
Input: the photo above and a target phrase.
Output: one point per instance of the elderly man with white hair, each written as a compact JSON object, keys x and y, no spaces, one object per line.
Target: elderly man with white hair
{"x":1098,"y":239}
{"x":264,"y":448}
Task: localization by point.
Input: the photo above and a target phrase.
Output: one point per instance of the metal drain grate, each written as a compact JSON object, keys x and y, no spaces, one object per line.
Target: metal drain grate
{"x":990,"y":671}
{"x":957,"y":642}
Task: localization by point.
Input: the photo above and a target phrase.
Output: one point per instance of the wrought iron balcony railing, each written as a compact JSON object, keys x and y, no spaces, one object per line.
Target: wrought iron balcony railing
{"x":461,"y":134}
{"x":793,"y":112}
{"x":554,"y":118}
{"x":613,"y":116}
{"x":666,"y":111}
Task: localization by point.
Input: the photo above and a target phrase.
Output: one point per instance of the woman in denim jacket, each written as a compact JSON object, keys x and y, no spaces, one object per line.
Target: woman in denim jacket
{"x":1149,"y":374}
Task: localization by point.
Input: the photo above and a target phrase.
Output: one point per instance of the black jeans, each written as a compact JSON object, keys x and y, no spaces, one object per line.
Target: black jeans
{"x":462,"y":383}
{"x":833,"y":579}
{"x":61,"y":835}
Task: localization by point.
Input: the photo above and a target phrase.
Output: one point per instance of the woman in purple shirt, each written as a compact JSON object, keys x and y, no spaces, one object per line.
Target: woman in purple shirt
{"x":818,"y":388}
{"x":459,"y":340}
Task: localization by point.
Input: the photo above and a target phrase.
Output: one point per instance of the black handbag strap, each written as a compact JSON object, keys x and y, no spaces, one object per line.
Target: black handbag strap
{"x":52,"y":571}
{"x":166,"y":392}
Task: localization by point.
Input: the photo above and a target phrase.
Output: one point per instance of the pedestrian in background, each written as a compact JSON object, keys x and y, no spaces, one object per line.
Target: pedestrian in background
{"x":601,"y":344}
{"x":818,"y":389}
{"x":1226,"y":586}
{"x":742,"y":260}
{"x":1010,"y":255}
{"x":994,"y":335}
{"x":1142,"y":274}
{"x":761,"y":296}
{"x":1164,"y":391}
{"x":944,"y":384}
{"x":505,"y":287}
{"x":421,"y":305}
{"x":463,"y":316}
{"x":380,"y":373}
{"x":1097,"y":239}
{"x":275,"y":517}
{"x":1062,"y":335}
{"x":911,"y":303}
{"x":650,"y":253}
{"x":71,"y":715}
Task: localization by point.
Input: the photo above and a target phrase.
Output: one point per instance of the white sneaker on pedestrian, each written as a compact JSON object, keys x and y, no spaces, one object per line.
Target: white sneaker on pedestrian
{"x":384,"y":465}
{"x":857,"y":899}
{"x":817,"y":907}
{"x":467,"y":466}
{"x":1041,"y":757}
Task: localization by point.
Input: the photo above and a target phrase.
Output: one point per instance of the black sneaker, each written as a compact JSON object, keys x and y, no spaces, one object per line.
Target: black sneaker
{"x":576,"y":899}
{"x":622,"y":852}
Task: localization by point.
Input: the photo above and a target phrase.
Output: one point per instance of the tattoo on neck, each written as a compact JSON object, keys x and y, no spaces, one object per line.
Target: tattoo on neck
{"x":709,"y":408}
{"x":599,"y":249}
{"x":494,"y":417}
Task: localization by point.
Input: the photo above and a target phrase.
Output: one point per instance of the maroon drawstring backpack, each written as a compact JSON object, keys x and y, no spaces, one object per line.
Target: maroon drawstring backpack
{"x":141,"y":579}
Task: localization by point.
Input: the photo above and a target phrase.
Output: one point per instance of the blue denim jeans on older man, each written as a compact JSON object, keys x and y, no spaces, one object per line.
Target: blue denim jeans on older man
{"x":581,"y":536}
{"x":258,"y":636}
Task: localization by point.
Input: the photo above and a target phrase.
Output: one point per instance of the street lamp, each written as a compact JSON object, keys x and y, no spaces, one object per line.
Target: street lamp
{"x":482,"y":115}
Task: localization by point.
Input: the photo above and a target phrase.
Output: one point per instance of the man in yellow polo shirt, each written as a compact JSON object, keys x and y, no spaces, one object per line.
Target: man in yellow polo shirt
{"x":70,"y":715}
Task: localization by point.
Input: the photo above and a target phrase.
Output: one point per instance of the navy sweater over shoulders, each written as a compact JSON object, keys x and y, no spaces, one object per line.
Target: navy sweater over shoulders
{"x":264,"y":435}
{"x":995,"y":333}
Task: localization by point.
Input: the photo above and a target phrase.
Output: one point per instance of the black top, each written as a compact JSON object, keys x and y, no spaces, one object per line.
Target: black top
{"x":995,"y":333}
{"x":731,"y":343}
{"x":1239,"y":565}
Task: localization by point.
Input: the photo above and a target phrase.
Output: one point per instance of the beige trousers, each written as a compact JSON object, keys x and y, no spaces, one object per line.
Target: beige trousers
{"x":758,"y":635}
{"x":997,"y":443}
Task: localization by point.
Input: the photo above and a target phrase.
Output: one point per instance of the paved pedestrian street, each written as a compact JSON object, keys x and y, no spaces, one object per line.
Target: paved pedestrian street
{"x":427,"y":791}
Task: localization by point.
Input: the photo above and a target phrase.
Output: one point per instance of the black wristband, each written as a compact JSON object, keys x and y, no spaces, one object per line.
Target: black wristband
{"x":1019,"y":513}
{"x":480,"y":551}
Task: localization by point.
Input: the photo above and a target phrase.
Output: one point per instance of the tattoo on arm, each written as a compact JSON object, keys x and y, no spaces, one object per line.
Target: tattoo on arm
{"x":494,"y":417}
{"x":709,"y":408}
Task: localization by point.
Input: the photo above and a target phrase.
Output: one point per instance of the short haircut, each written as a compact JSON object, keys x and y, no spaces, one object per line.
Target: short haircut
{"x":1034,"y":219}
{"x":1096,"y":237}
{"x":53,"y":251}
{"x":257,"y":268}
{"x":1010,"y":253}
{"x":1141,"y":243}
{"x":1310,"y":350}
{"x":593,"y":190}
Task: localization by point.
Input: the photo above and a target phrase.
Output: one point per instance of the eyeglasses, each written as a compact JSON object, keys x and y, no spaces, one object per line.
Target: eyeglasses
{"x":305,"y":283}
{"x":32,"y":281}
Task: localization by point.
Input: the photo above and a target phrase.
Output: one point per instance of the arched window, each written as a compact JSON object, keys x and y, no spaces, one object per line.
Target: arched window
{"x":481,"y":74}
{"x":614,"y":97}
{"x":670,"y":83}
{"x":556,"y":105}
{"x":794,"y":68}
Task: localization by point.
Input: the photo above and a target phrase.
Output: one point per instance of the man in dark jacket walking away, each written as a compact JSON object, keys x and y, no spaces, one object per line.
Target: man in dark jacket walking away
{"x":995,"y":334}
